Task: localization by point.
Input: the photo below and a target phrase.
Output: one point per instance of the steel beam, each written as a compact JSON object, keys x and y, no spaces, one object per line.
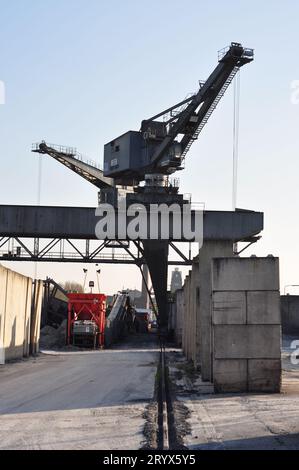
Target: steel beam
{"x":15,"y":249}
{"x":108,"y":260}
{"x":80,"y":222}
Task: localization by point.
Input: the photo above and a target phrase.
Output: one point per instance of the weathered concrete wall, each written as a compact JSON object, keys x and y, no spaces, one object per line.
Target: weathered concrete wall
{"x":175,"y":319}
{"x":209,"y":251}
{"x":35,"y":319}
{"x":3,"y":283}
{"x":20,"y":310}
{"x":290,"y":314}
{"x":189,"y":315}
{"x":246,"y":325}
{"x":187,"y":326}
{"x":179,"y":295}
{"x":197,"y":291}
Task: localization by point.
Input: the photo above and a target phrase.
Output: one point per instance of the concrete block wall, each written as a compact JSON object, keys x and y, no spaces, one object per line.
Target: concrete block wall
{"x":289,"y":305}
{"x":187,"y":306}
{"x":187,"y":327}
{"x":246,"y":325}
{"x":177,"y":313}
{"x":20,"y":310}
{"x":211,"y":249}
{"x":35,"y":319}
{"x":197,"y":289}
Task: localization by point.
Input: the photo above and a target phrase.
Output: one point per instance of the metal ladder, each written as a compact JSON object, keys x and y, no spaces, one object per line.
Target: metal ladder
{"x":210,"y":111}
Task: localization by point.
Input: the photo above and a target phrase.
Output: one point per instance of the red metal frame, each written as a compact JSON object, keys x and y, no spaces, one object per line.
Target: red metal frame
{"x":87,"y":307}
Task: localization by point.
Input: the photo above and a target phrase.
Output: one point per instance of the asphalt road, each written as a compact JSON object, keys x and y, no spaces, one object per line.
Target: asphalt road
{"x":78,"y":400}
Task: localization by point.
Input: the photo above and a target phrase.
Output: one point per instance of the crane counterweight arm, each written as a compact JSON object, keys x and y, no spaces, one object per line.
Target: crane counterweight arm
{"x":70,"y":158}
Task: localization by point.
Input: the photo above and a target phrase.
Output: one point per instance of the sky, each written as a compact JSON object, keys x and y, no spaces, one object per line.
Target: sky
{"x":80,"y":73}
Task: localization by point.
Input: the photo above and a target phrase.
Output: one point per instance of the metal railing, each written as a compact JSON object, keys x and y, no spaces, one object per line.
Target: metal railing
{"x":247,"y":52}
{"x":69,"y":152}
{"x":171,"y":115}
{"x":60,"y":255}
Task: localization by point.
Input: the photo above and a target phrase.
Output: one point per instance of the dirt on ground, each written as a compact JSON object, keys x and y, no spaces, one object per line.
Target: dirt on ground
{"x":150,"y":430}
{"x":239,"y":421}
{"x":53,"y":338}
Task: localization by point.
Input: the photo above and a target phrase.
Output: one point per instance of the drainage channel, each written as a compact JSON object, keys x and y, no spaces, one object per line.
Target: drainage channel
{"x":166,"y":423}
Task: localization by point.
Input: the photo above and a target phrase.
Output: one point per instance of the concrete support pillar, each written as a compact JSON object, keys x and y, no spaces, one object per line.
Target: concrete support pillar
{"x":190,"y":332}
{"x":246,"y":325}
{"x":210,"y":249}
{"x":187,"y":299}
{"x":179,"y":317}
{"x":184,"y":315}
{"x":195,"y":321}
{"x":187,"y":333}
{"x":192,"y":322}
{"x":191,"y":314}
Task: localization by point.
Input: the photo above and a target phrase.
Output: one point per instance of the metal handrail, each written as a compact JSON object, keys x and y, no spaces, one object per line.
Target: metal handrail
{"x":70,"y":152}
{"x":72,"y":255}
{"x":247,"y":52}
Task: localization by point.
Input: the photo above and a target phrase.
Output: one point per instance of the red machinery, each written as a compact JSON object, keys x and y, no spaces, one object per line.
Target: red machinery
{"x":86,"y":319}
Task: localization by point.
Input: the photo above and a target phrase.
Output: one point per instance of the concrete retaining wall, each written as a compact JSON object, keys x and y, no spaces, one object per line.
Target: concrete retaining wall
{"x":175,"y":317}
{"x":196,"y":314}
{"x":179,"y":313}
{"x":209,"y":251}
{"x":20,"y":310}
{"x":246,"y":325}
{"x":189,"y":320}
{"x":290,"y":314}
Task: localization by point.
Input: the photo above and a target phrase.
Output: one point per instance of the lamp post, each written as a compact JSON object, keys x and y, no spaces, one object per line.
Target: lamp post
{"x":98,"y":278}
{"x":85,"y":275}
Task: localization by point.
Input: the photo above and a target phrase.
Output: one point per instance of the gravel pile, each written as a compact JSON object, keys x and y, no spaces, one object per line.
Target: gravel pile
{"x":51,"y":338}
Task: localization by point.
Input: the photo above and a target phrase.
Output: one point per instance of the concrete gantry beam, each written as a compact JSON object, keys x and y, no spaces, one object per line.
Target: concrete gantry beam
{"x":79,"y":223}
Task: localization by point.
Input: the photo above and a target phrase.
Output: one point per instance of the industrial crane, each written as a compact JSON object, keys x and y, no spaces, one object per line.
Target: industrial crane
{"x":162,"y":143}
{"x":152,"y":154}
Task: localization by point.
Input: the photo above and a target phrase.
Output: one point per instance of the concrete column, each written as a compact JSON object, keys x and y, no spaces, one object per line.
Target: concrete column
{"x":187,"y":313}
{"x":210,"y":249}
{"x":195,"y":321}
{"x":246,"y":325}
{"x":3,"y":293}
{"x":190,"y":335}
{"x":185,"y":324}
{"x":187,"y":317}
{"x":192,"y":318}
{"x":179,"y":316}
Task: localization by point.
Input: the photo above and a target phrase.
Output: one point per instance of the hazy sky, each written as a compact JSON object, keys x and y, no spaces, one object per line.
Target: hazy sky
{"x":80,"y":73}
